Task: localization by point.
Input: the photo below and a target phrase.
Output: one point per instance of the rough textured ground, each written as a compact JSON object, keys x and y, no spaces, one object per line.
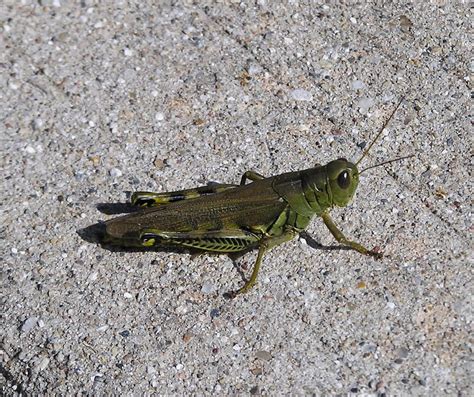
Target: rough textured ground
{"x":98,"y":100}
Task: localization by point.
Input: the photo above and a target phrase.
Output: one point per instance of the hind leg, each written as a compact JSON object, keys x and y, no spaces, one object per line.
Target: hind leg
{"x":152,"y":199}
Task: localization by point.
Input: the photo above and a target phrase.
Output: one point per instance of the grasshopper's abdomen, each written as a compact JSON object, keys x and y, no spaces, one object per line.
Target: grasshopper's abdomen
{"x":242,"y":215}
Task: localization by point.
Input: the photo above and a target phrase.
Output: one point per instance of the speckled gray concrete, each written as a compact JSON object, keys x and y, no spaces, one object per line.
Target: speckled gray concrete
{"x":99,"y":100}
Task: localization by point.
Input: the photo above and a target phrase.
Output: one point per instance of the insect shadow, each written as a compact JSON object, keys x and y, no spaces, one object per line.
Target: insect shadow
{"x":117,"y":208}
{"x":318,"y":246}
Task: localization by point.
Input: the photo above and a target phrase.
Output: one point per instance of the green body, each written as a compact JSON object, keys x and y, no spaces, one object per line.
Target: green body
{"x":232,"y":218}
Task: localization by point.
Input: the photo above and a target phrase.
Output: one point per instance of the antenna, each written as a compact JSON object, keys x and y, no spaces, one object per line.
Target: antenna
{"x":379,"y":133}
{"x":387,"y":162}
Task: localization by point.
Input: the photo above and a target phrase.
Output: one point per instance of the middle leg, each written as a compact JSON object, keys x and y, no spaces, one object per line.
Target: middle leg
{"x":265,"y":244}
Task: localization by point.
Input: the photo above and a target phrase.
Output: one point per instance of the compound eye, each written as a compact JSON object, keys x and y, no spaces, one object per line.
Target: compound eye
{"x":344,"y":180}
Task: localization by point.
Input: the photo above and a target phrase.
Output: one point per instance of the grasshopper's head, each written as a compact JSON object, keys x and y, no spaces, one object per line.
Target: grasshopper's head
{"x":343,"y":178}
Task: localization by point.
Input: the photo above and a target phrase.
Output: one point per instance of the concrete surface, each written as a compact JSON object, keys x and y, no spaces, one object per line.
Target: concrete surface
{"x":103,"y":98}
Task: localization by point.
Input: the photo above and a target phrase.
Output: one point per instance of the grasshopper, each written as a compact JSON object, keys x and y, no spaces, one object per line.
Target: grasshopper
{"x":230,"y":218}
